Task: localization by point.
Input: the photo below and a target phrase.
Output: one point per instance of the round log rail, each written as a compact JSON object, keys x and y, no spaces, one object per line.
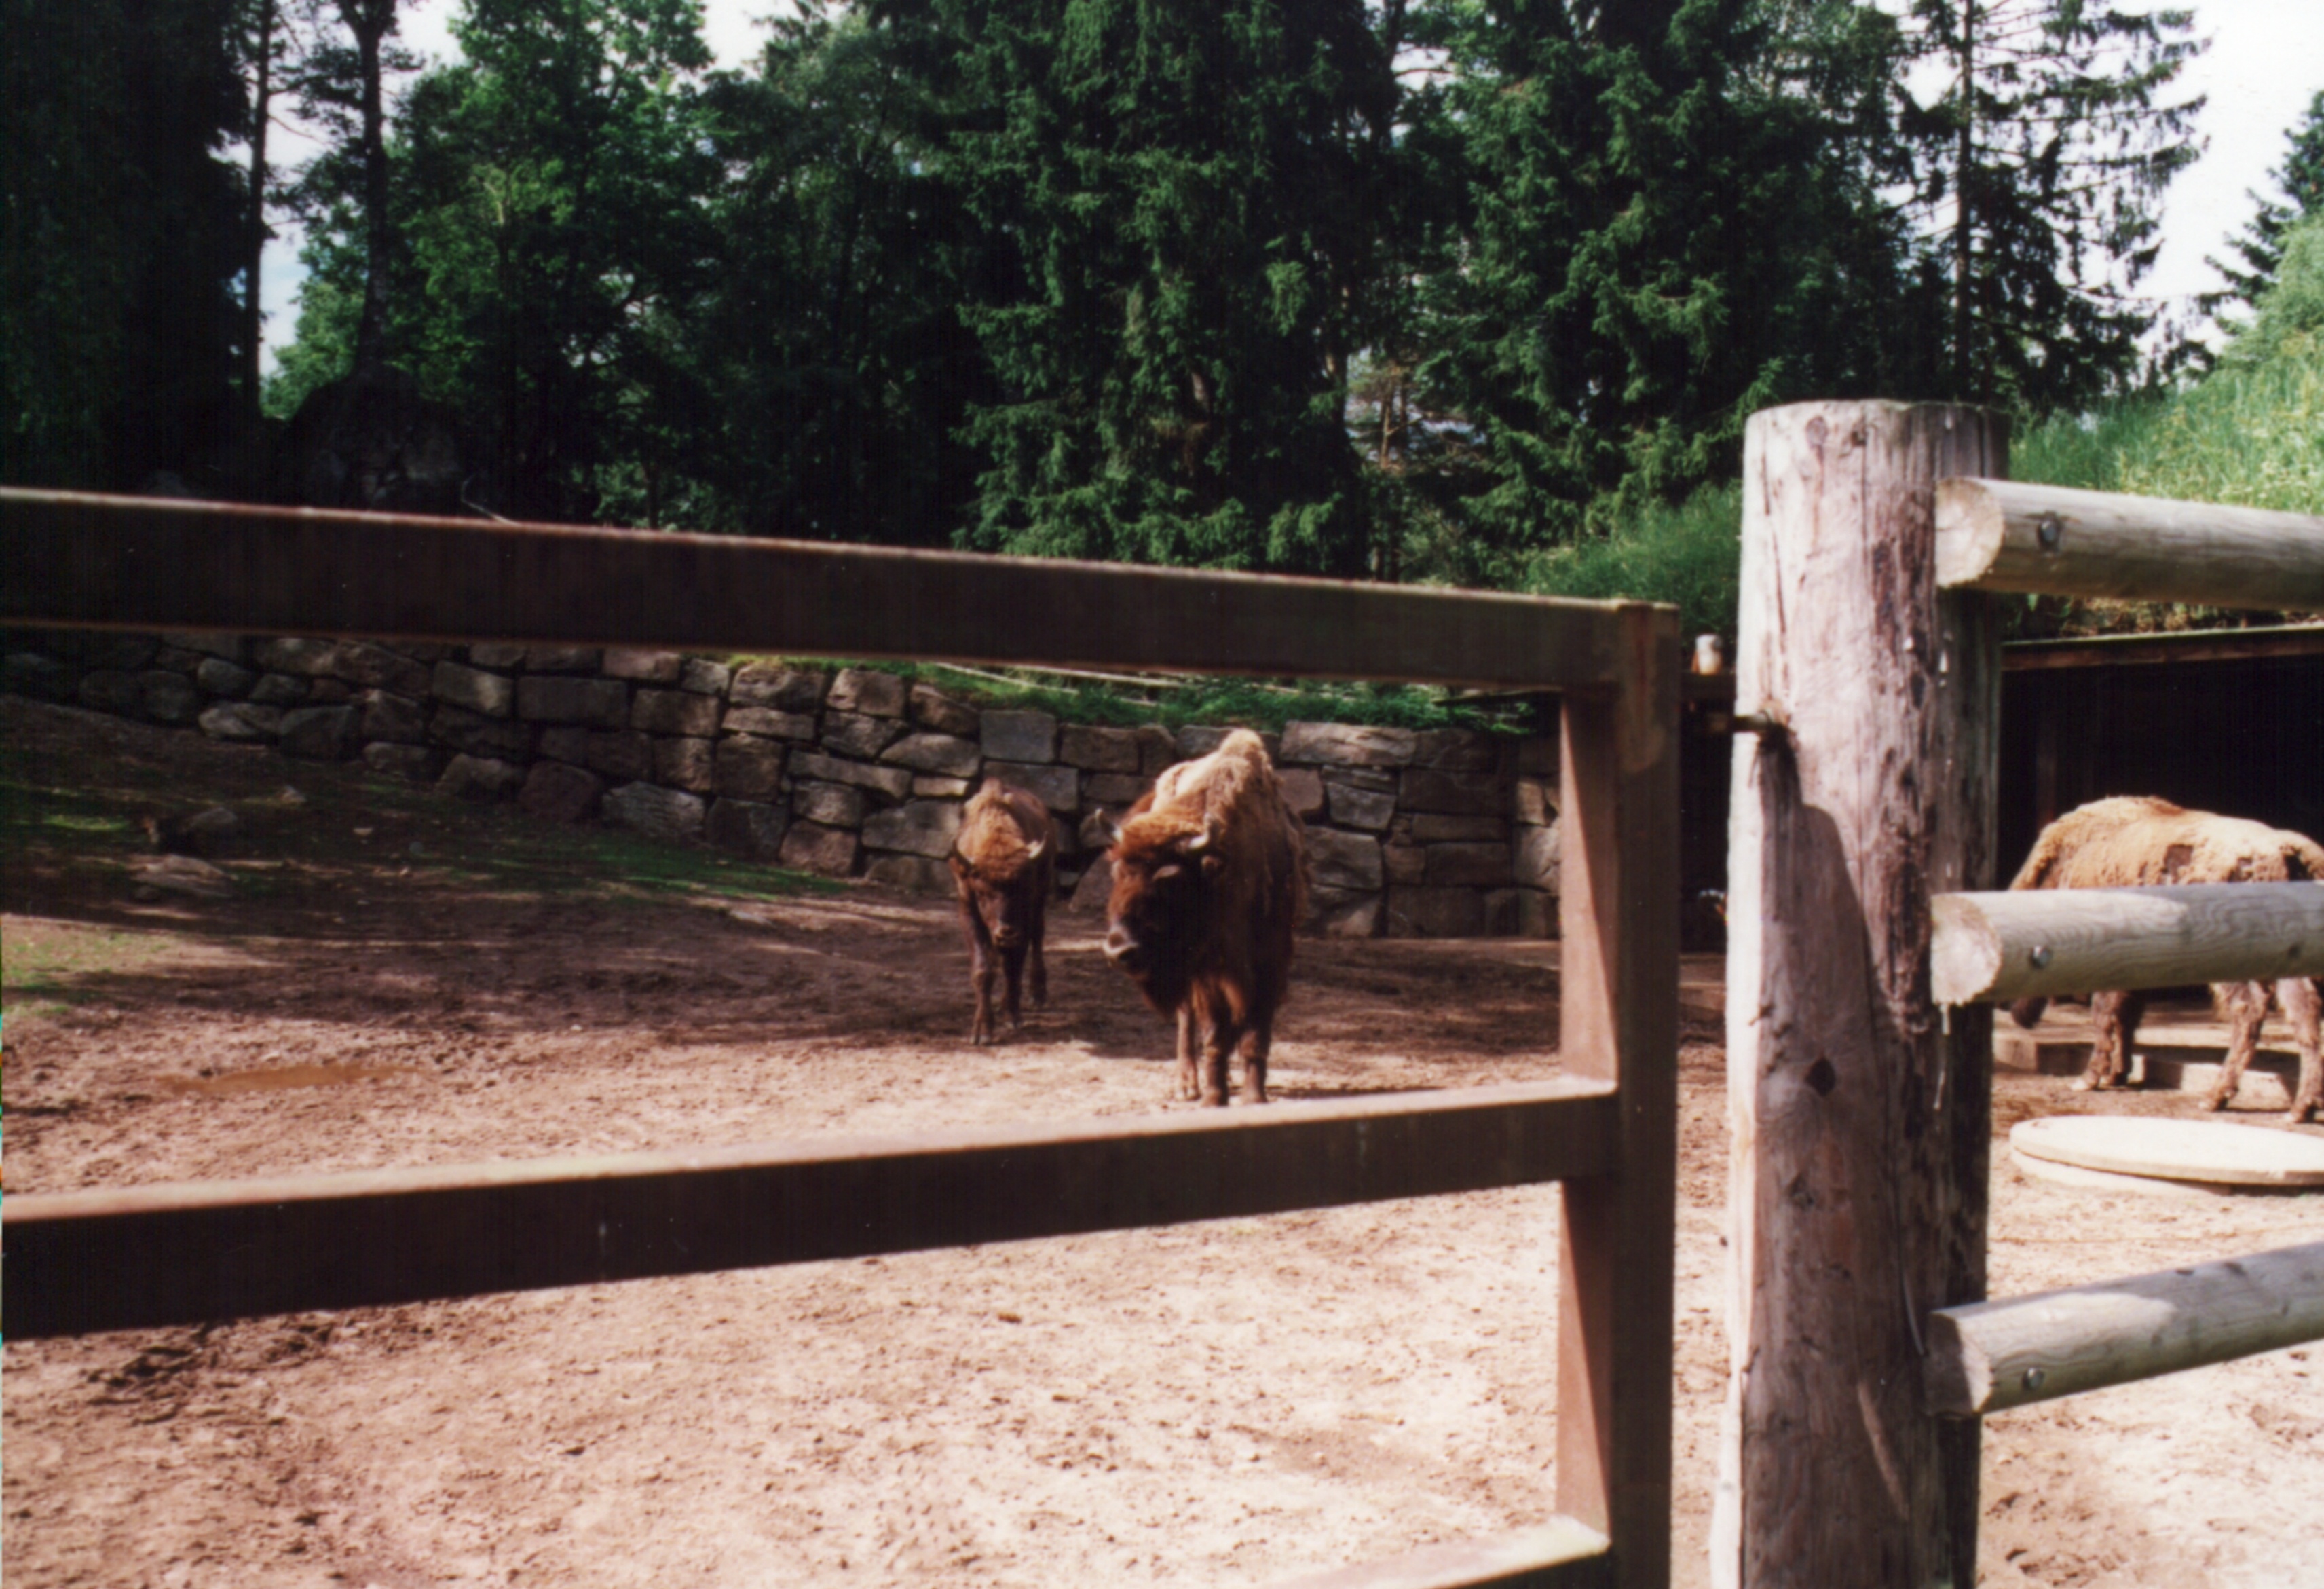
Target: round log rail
{"x":1989,"y":1356}
{"x":2050,"y":540}
{"x":1995,"y":948}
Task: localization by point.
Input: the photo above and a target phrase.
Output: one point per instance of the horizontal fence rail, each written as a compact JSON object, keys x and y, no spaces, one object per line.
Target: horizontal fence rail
{"x":79,"y":1262}
{"x":2038,"y":942}
{"x":1560,"y":1554}
{"x":72,"y":560}
{"x":1991,"y":1356}
{"x":2054,"y":540}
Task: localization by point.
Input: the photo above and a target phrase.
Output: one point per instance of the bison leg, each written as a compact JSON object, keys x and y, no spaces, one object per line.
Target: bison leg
{"x":2115,"y":1015}
{"x":1256,"y":1042}
{"x":1038,"y":983}
{"x":2244,"y":1004}
{"x":2303,"y":1001}
{"x":1183,"y":1085}
{"x":1012,"y":965}
{"x":980,"y":975}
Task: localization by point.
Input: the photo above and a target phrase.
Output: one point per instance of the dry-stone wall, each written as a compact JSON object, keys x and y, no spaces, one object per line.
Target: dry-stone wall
{"x":851,"y":773}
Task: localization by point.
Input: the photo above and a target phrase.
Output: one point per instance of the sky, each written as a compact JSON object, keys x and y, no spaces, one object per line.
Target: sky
{"x":2266,"y":63}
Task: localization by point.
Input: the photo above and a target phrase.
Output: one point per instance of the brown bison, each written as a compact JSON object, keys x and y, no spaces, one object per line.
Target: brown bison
{"x":2138,"y":841}
{"x":1210,"y":884}
{"x":1006,"y":865}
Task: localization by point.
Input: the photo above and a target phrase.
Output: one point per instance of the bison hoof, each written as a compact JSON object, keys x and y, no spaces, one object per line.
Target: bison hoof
{"x":2213,"y":1103}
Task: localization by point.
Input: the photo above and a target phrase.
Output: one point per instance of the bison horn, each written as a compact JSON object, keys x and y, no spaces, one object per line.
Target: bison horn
{"x":1033,"y":851}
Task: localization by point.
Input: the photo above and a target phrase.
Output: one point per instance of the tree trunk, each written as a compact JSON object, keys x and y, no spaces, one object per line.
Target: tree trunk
{"x":1862,"y":1128}
{"x":369,"y":21}
{"x":254,"y":318}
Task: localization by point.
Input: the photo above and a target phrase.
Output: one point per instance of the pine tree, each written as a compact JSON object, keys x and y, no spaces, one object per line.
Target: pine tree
{"x":2260,"y":246}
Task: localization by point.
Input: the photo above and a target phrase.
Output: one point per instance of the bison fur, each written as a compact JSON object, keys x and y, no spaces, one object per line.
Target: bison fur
{"x":1005,"y":862}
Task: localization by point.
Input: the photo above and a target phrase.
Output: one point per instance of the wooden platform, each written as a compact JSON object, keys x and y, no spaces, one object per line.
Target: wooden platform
{"x":2180,"y":1046}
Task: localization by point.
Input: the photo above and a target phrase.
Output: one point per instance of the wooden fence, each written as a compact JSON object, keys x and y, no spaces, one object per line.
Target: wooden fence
{"x":84,"y":1261}
{"x":1859,"y":1081}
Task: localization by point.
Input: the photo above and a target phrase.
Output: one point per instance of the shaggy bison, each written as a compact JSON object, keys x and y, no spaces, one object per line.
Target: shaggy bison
{"x":1210,"y":884}
{"x":1006,"y":867}
{"x":2133,"y":842}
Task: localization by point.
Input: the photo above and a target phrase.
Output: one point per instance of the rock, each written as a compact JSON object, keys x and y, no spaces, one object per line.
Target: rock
{"x":1098,"y":749}
{"x":601,"y":703}
{"x":471,"y":733}
{"x":1113,"y":789}
{"x":176,"y":660}
{"x":565,"y":743}
{"x":329,"y":692}
{"x":167,"y":698}
{"x":1344,"y":860}
{"x":210,"y":833}
{"x":869,"y":692}
{"x":913,"y":874}
{"x":1536,"y":861}
{"x":1502,"y":913}
{"x":666,"y":814}
{"x":854,"y":734}
{"x":1537,"y":913}
{"x":320,"y":733}
{"x":768,"y":723}
{"x":832,"y":805}
{"x":1158,"y":747}
{"x":748,"y":828}
{"x":216,"y":676}
{"x":42,"y":677}
{"x":918,"y":828}
{"x":240,"y":721}
{"x":937,"y":712}
{"x":115,"y":694}
{"x":481,"y":778}
{"x":645,"y":666}
{"x":564,"y":659}
{"x":228,"y":648}
{"x":815,"y":848}
{"x":309,"y":659}
{"x":1457,"y":750}
{"x":392,"y":717}
{"x":674,"y":712}
{"x":1537,"y":758}
{"x":942,"y":753}
{"x":1435,"y":912}
{"x":182,"y":874}
{"x":371,"y":440}
{"x":1343,"y":913}
{"x":499,"y":654}
{"x":1198,"y":740}
{"x":750,"y":768}
{"x":375,"y":666}
{"x":415,"y":762}
{"x":690,"y":764}
{"x":278,"y":689}
{"x":623,"y":754}
{"x":924,"y":787}
{"x":1537,"y":801}
{"x":785,"y":689}
{"x":1455,"y":794}
{"x":1429,"y":828}
{"x":1059,"y":788}
{"x":486,"y":694}
{"x":556,"y":792}
{"x":1348,"y":744}
{"x":1088,"y":899}
{"x":1467,"y":866}
{"x":1359,"y":808}
{"x":1018,"y":737}
{"x":895,"y":782}
{"x":701,"y":676}
{"x":1405,"y":862}
{"x":1303,"y":789}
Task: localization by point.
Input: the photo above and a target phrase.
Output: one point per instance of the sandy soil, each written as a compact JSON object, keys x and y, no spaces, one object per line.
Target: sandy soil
{"x":1221,"y":1403}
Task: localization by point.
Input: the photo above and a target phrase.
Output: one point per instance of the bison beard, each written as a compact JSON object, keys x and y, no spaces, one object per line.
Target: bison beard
{"x":1005,"y":866}
{"x":1208,"y":887}
{"x":2138,"y":841}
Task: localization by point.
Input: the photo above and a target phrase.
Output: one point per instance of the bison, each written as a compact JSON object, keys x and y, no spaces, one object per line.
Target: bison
{"x":1210,"y":884}
{"x":2138,"y":841}
{"x":1006,"y":865}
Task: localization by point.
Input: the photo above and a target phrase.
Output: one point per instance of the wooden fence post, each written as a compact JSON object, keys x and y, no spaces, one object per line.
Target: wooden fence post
{"x":1866,"y":706}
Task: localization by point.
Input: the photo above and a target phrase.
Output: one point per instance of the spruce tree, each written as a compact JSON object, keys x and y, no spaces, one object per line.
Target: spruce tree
{"x":2260,"y":245}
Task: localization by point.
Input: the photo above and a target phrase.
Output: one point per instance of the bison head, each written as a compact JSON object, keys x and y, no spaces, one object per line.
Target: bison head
{"x":1154,"y":917}
{"x":1003,"y":895}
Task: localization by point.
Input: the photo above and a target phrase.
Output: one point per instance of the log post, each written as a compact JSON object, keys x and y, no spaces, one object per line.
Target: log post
{"x":1864,"y":784}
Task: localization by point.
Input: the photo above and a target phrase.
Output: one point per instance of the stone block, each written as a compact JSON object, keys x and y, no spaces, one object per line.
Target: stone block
{"x":307,"y":659}
{"x":475,"y":734}
{"x":231,"y":648}
{"x":913,"y":874}
{"x":394,"y":716}
{"x":556,"y":792}
{"x":1467,"y":866}
{"x":667,"y":814}
{"x":564,"y":659}
{"x":1501,"y":920}
{"x":1537,"y":757}
{"x":1535,"y":864}
{"x":1407,"y":863}
{"x":1537,"y":913}
{"x":926,"y":787}
{"x":674,"y":712}
{"x":767,"y":722}
{"x":320,"y":733}
{"x":565,"y":743}
{"x":1302,"y":791}
{"x":600,"y":702}
{"x":642,"y":665}
{"x":832,"y":805}
{"x":858,"y":735}
{"x":1343,"y":913}
{"x":415,"y":764}
{"x":690,"y":764}
{"x":329,"y":692}
{"x":1359,"y":808}
{"x":240,"y":721}
{"x":942,"y":753}
{"x":1458,"y":750}
{"x":177,"y":661}
{"x":481,"y":778}
{"x":1098,"y":749}
{"x":278,"y":689}
{"x":1431,"y":827}
{"x":750,"y":768}
{"x":1158,"y":747}
{"x":867,"y":691}
{"x":1436,"y":912}
{"x":42,"y":677}
{"x":622,"y":754}
{"x":488,"y":694}
{"x":496,"y":654}
{"x":1453,"y":794}
{"x":701,"y":676}
{"x":1348,"y":745}
{"x":812,"y":847}
{"x":1018,"y":737}
{"x":1197,"y":739}
{"x":932,"y":710}
{"x":1116,"y":788}
{"x":216,"y":676}
{"x":784,"y":690}
{"x":918,"y":828}
{"x":167,"y":698}
{"x":116,"y":694}
{"x":752,"y":828}
{"x":1537,"y":801}
{"x":375,"y":666}
{"x":1059,"y":788}
{"x":1344,"y":860}
{"x":895,"y":782}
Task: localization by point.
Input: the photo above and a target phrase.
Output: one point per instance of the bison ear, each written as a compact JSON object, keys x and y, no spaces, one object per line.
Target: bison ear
{"x":959,"y":865}
{"x":1033,"y":851}
{"x":1212,"y":864}
{"x":1172,"y":869}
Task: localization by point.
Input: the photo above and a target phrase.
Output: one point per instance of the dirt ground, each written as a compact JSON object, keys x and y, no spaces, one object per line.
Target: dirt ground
{"x":394,"y":983}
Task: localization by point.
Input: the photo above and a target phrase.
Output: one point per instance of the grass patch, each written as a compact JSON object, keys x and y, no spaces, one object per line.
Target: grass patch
{"x":605,"y":865}
{"x":49,"y":971}
{"x":1689,"y":554}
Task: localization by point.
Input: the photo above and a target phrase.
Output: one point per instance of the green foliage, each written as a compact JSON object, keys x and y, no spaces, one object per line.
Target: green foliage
{"x":1689,"y":555}
{"x":2260,"y":245}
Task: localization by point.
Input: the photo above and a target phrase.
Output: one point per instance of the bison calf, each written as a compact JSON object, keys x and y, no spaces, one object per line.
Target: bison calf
{"x":1006,"y":867}
{"x":1209,"y":883}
